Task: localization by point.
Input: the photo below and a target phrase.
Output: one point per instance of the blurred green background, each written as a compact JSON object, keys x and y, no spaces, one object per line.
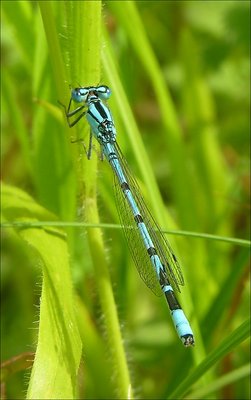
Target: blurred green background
{"x":202,"y":169}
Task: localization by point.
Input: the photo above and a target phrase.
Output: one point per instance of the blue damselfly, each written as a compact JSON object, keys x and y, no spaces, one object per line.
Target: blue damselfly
{"x":152,"y":254}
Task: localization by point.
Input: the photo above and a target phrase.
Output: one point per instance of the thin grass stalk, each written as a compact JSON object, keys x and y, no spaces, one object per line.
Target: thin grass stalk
{"x":86,"y":68}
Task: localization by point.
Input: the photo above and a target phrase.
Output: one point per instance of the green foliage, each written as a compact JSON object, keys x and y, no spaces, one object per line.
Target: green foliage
{"x":224,"y":348}
{"x":181,"y":70}
{"x":59,"y":346}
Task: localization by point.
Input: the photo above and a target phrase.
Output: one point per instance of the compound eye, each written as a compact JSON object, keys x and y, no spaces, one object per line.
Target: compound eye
{"x":103,"y":92}
{"x":79,"y":95}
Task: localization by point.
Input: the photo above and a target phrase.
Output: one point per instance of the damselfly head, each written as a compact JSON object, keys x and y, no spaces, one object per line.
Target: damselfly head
{"x":80,"y":94}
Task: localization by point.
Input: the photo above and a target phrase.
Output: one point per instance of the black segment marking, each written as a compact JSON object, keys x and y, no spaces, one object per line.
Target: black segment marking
{"x":112,"y":156}
{"x":99,"y":107}
{"x":93,"y":116}
{"x":172,"y":301}
{"x":124,"y":186}
{"x":138,"y":219}
{"x":151,"y":251}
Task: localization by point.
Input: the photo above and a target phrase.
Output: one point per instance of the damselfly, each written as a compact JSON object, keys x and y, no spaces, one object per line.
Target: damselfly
{"x":152,"y":254}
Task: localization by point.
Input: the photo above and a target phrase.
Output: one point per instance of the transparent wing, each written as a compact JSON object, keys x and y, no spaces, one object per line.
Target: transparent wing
{"x":134,"y":239}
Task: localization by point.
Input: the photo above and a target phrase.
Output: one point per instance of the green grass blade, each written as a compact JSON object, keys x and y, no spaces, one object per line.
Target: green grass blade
{"x":233,"y":376}
{"x":86,"y":45}
{"x":228,"y":344}
{"x":221,"y":304}
{"x":54,"y":47}
{"x":16,"y":117}
{"x":133,"y":134}
{"x":22,"y":27}
{"x":217,"y":238}
{"x":130,"y":19}
{"x":59,"y":347}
